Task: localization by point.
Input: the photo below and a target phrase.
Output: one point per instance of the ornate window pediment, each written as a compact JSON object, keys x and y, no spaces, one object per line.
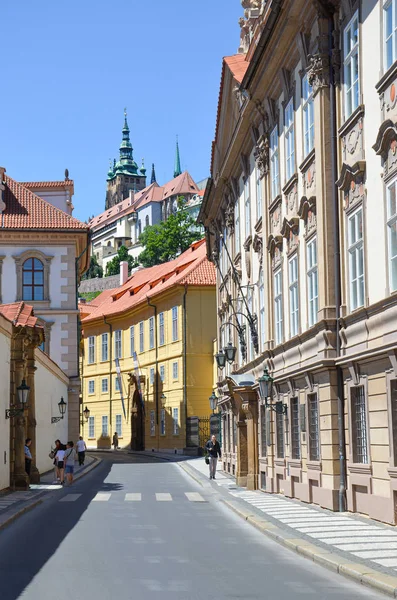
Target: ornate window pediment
{"x":275,"y":248}
{"x":257,"y":246}
{"x":290,"y":230}
{"x":261,"y":154}
{"x":351,"y":181}
{"x":386,"y":147}
{"x":307,"y":212}
{"x":45,"y":260}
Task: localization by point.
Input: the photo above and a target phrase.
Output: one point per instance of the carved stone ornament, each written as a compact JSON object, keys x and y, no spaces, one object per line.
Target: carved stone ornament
{"x":261,"y":154}
{"x":291,"y":199}
{"x":229,"y":217}
{"x":386,"y":147}
{"x":274,"y":247}
{"x":353,"y":148}
{"x":275,"y":218}
{"x":307,"y":212}
{"x":351,"y":182}
{"x":257,"y":246}
{"x":309,"y":180}
{"x":388,"y":101}
{"x":290,"y":230}
{"x":318,"y":72}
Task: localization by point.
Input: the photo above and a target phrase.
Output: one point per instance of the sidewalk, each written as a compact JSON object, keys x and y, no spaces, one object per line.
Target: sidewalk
{"x":15,"y":504}
{"x":352,"y":545}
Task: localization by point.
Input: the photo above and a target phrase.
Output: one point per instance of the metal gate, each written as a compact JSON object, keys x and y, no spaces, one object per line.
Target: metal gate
{"x":209,"y":426}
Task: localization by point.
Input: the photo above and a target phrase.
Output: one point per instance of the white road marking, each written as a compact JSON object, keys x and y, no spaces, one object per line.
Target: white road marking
{"x":341,"y":533}
{"x":331,"y":528}
{"x":162,"y":497}
{"x":194,"y":497}
{"x":387,"y":562}
{"x":70,"y":498}
{"x":368,"y":546}
{"x":133,"y":497}
{"x":376,"y":554}
{"x":101,"y":497}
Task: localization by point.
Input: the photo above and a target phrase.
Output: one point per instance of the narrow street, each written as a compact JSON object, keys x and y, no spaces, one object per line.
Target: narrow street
{"x":140,"y":528}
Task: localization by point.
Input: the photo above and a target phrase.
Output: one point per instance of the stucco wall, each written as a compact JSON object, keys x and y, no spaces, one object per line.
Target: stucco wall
{"x":50,"y":385}
{"x":5,"y":346}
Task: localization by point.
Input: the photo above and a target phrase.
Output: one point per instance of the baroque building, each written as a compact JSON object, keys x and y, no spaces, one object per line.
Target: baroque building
{"x":300,"y":215}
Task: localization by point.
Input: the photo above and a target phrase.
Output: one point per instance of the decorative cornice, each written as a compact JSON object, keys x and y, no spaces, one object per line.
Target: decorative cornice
{"x":349,"y":174}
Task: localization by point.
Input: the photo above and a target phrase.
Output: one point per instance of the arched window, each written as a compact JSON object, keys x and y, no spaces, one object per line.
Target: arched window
{"x":147,"y":221}
{"x":32,"y":280}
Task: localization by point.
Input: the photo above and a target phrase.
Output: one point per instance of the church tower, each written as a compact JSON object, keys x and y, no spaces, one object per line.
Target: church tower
{"x":124,"y":175}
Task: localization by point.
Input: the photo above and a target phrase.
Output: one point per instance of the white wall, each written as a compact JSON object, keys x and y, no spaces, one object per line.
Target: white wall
{"x":5,"y":347}
{"x":50,"y":385}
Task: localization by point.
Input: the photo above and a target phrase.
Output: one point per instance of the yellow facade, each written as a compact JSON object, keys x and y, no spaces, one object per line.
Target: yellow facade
{"x":178,"y":330}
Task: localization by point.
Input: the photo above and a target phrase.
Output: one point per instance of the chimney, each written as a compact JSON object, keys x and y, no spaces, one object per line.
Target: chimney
{"x":132,"y":197}
{"x":123,"y":272}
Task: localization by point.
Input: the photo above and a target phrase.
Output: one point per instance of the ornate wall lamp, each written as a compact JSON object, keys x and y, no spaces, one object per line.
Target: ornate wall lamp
{"x":62,"y":409}
{"x":23,"y":394}
{"x":265,"y":391}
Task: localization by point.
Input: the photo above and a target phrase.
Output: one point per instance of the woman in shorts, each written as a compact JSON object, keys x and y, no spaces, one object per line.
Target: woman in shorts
{"x":69,"y":458}
{"x":60,"y":457}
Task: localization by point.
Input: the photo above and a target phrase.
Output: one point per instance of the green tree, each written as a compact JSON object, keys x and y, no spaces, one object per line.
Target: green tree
{"x":94,"y":270}
{"x":113,"y":266}
{"x":168,"y":239}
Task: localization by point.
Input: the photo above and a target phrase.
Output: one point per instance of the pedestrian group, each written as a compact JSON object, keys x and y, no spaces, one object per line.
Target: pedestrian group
{"x":64,"y":457}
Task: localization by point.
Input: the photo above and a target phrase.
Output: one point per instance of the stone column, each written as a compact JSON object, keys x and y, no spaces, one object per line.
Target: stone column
{"x":20,"y":479}
{"x":251,"y":409}
{"x":31,"y":416}
{"x":242,"y":453}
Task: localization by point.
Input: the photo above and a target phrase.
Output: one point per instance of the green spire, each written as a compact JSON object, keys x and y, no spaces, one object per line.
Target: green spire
{"x":143,"y":170}
{"x":177,"y":169}
{"x":126,"y":164}
{"x":153,"y":177}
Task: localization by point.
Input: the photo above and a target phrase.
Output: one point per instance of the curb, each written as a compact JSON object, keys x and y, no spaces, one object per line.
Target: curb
{"x":96,"y":462}
{"x":189,"y":471}
{"x":358,"y":572}
{"x":18,"y":513}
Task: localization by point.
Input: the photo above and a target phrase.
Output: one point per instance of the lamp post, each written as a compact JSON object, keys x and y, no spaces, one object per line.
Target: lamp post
{"x":265,"y":391}
{"x":23,"y":395}
{"x":62,"y":409}
{"x":213,"y":401}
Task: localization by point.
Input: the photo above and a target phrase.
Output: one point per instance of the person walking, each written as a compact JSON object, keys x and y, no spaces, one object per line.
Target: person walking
{"x":81,"y":450}
{"x":52,"y":454}
{"x":214,"y":450}
{"x":59,"y":457}
{"x":69,"y":458}
{"x":28,"y":456}
{"x":115,"y":440}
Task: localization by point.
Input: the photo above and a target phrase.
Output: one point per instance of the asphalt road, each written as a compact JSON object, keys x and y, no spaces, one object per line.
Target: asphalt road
{"x":157,"y":542}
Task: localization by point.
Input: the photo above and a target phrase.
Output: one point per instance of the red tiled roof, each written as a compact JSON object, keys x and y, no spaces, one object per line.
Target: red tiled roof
{"x":19,"y":313}
{"x":237,"y":64}
{"x":34,"y":185}
{"x":190,"y":268}
{"x":26,"y":210}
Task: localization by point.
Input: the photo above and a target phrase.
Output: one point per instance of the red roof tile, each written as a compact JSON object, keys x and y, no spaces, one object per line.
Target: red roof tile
{"x":190,"y":268}
{"x":26,"y":210}
{"x":35,"y":185}
{"x":19,"y":314}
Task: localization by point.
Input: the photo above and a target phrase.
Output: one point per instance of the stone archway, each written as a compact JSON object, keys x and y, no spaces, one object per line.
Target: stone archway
{"x":137,"y":416}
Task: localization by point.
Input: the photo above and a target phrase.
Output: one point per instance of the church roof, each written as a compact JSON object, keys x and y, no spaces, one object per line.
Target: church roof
{"x":126,"y":164}
{"x":25,"y":210}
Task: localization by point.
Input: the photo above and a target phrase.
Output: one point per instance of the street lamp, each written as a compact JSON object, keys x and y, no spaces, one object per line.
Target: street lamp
{"x":86,"y":413}
{"x":265,"y":391}
{"x":163,"y":398}
{"x":213,"y":401}
{"x":23,"y":394}
{"x":230,"y":352}
{"x":220,"y":358}
{"x":62,"y":410}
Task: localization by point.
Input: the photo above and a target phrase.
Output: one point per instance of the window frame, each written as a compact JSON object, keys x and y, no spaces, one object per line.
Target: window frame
{"x":353,"y":250}
{"x":119,"y":425}
{"x":175,"y":323}
{"x":152,"y":424}
{"x":274,"y":154}
{"x":293,"y":287}
{"x":91,"y":387}
{"x":247,"y":206}
{"x":37,"y":289}
{"x":237,"y":232}
{"x":312,"y":281}
{"x":278,"y":306}
{"x":289,"y":139}
{"x":280,"y":435}
{"x":175,"y":370}
{"x":259,"y":193}
{"x":105,"y":419}
{"x":117,"y":387}
{"x":104,"y":345}
{"x":313,"y":426}
{"x":162,"y":373}
{"x":391,"y":222}
{"x":118,"y":344}
{"x":296,"y":451}
{"x":141,"y":336}
{"x":307,"y":116}
{"x":161,"y":329}
{"x":393,"y":36}
{"x":104,"y":388}
{"x":132,"y":340}
{"x":175,"y":419}
{"x":353,"y":101}
{"x":91,"y":350}
{"x":151,"y":333}
{"x":91,"y":427}
{"x":364,"y":447}
{"x":262,"y":315}
{"x":162,"y":421}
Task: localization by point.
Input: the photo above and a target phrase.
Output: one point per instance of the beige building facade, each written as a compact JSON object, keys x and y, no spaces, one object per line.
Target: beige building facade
{"x":301,"y":219}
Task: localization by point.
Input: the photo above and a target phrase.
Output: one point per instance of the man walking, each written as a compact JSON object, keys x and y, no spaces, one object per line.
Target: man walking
{"x":116,"y":440}
{"x":81,"y":450}
{"x":214,"y":450}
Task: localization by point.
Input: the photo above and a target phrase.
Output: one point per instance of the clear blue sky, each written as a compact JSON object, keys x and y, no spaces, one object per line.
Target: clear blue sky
{"x":69,"y":68}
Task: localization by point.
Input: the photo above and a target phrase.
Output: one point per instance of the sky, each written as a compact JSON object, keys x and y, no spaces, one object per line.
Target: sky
{"x":70,"y":68}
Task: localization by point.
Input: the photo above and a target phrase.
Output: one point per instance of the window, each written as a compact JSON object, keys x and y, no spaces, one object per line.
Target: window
{"x":162,"y":421}
{"x":175,"y":418}
{"x":289,"y":140}
{"x":132,"y":340}
{"x":308,"y":116}
{"x":262,"y":309}
{"x":293,"y":296}
{"x":117,"y":344}
{"x":32,"y":280}
{"x":390,"y":32}
{"x":119,"y":429}
{"x":91,"y":350}
{"x":280,"y":434}
{"x":161,"y":329}
{"x":104,"y":386}
{"x":174,"y":323}
{"x":152,"y":376}
{"x":141,"y":338}
{"x":359,"y":425}
{"x":312,"y":281}
{"x":250,"y":345}
{"x":393,"y":401}
{"x":314,"y":433}
{"x":356,"y":259}
{"x":151,"y":333}
{"x":104,"y":346}
{"x":295,"y":431}
{"x":263,"y":431}
{"x":258,"y":194}
{"x":162,"y":373}
{"x":351,"y":66}
{"x":91,"y":427}
{"x":105,"y":430}
{"x":117,"y":384}
{"x":91,"y":386}
{"x":175,"y":370}
{"x":278,"y":307}
{"x":274,"y":163}
{"x":147,"y":221}
{"x":237,"y":227}
{"x":152,"y":424}
{"x":392,"y":234}
{"x":247,"y":207}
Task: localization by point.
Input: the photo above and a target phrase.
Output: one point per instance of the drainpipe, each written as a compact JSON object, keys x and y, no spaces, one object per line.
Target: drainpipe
{"x":156,"y":375}
{"x":110,"y":369}
{"x":184,"y":361}
{"x":337,"y":268}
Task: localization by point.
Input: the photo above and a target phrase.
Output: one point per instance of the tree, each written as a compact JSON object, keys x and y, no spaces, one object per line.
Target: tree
{"x":168,"y":239}
{"x":113,"y":266}
{"x":94,"y":270}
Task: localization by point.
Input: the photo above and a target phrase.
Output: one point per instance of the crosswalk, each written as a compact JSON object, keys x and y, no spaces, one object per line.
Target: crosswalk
{"x":136,"y":497}
{"x":377,"y":544}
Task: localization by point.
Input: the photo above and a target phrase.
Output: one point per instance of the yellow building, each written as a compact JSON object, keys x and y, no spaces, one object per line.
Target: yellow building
{"x":159,"y":327}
